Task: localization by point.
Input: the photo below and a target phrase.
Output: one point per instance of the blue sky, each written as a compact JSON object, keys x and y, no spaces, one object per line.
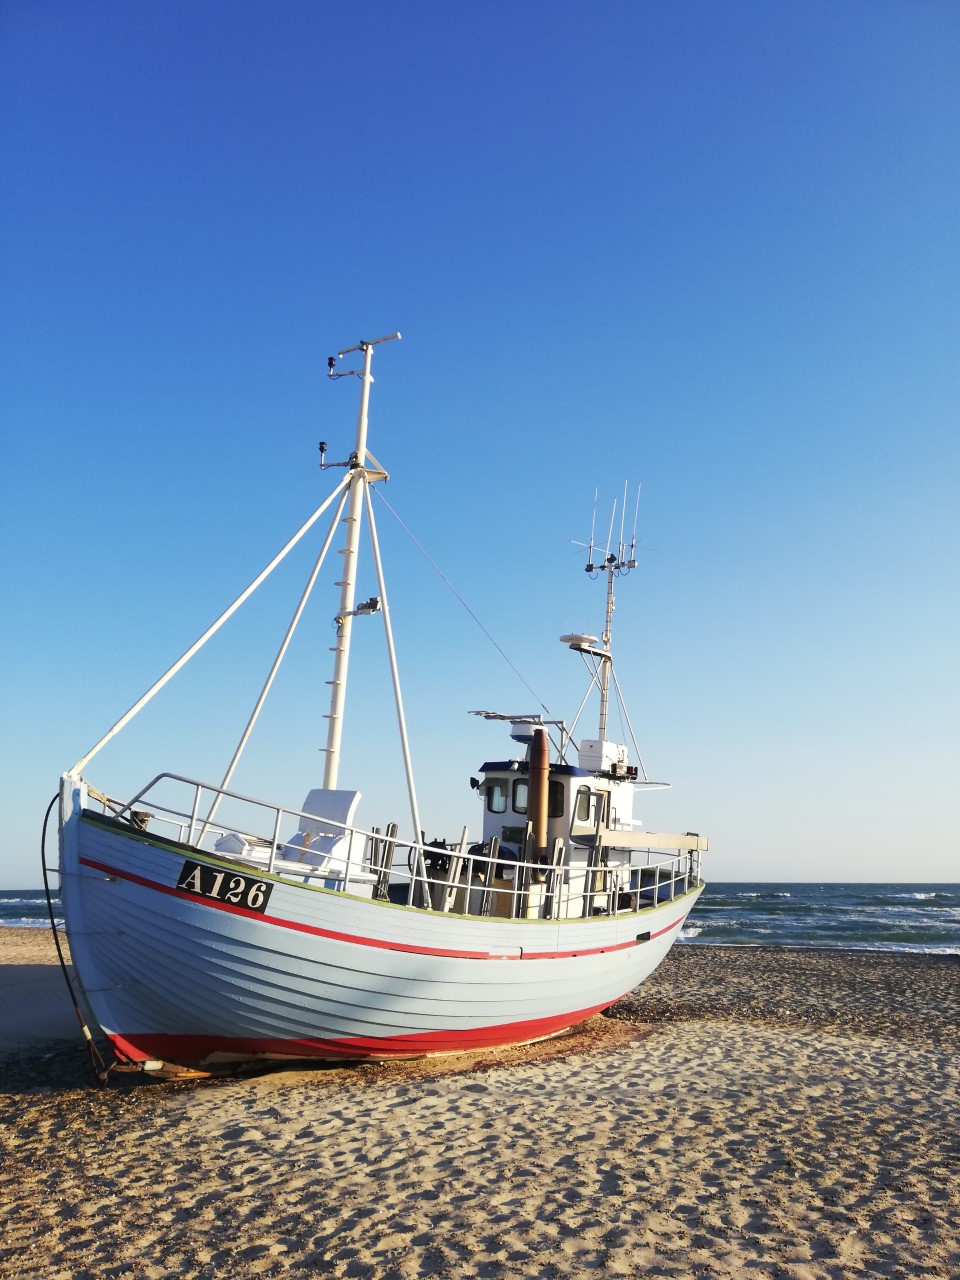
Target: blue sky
{"x":710,"y":248}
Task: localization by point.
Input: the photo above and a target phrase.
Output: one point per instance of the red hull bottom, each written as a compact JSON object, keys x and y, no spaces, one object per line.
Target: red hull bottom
{"x":203,"y":1051}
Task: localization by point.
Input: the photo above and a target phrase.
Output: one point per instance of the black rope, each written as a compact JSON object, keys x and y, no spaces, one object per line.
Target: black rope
{"x":99,"y":1066}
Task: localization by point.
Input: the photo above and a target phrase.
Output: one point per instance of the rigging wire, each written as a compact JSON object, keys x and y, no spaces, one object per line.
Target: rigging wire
{"x":625,"y":714}
{"x":426,"y":554}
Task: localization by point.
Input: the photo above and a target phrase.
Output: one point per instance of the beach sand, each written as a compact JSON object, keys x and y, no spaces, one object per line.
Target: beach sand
{"x":753,"y":1113}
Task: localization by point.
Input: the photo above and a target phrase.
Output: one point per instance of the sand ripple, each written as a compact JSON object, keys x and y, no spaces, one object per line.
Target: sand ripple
{"x":698,"y":1145}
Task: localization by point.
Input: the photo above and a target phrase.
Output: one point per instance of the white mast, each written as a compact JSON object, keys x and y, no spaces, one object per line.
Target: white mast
{"x":607,"y":658}
{"x":357,"y":483}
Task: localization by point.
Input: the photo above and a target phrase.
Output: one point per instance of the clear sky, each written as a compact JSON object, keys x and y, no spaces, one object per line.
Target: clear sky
{"x":713,"y":248}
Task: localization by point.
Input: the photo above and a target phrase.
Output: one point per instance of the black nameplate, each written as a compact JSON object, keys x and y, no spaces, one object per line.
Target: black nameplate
{"x":225,"y":886}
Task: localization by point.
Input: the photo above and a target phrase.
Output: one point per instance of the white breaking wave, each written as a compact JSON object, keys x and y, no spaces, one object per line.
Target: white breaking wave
{"x":27,"y":922}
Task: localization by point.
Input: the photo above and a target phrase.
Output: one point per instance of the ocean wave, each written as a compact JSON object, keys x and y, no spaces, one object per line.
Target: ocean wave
{"x":27,"y":922}
{"x":916,"y":948}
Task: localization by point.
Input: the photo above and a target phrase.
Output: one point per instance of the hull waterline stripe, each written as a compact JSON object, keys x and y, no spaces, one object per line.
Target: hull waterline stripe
{"x":185,"y":1050}
{"x":359,"y":939}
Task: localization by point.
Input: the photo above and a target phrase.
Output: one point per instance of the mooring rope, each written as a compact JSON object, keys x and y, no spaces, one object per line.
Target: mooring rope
{"x":99,"y":1066}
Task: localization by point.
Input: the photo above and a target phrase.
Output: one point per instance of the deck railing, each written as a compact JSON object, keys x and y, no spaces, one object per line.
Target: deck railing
{"x":462,"y":879}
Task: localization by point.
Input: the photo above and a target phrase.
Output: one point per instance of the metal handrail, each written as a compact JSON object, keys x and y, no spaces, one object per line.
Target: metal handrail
{"x":465,"y":868}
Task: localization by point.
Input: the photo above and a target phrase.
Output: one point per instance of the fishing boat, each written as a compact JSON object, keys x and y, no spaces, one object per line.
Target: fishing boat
{"x":210,"y":929}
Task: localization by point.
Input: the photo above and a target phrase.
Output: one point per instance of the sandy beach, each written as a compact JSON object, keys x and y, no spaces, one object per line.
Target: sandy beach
{"x":762,"y":1113}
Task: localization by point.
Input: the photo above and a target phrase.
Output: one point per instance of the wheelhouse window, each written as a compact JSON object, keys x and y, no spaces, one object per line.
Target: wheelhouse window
{"x":497,"y":795}
{"x":583,"y":804}
{"x":555,"y":799}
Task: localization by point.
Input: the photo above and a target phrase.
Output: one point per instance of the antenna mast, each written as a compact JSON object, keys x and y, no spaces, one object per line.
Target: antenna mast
{"x":621,"y":561}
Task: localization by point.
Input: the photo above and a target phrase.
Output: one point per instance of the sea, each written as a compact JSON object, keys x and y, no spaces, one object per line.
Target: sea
{"x":871,"y":917}
{"x":876,"y":917}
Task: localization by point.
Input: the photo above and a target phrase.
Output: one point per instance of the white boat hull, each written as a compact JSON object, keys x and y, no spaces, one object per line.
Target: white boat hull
{"x":193,"y":953}
{"x":174,"y":976}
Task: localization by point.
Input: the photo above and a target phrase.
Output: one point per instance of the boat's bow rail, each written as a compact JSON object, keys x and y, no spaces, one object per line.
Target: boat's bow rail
{"x":614,"y":874}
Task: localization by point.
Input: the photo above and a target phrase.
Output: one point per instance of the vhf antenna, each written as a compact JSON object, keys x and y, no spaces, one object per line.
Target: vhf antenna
{"x":593,"y":529}
{"x":632,"y":563}
{"x":623,"y":560}
{"x":613,"y":516}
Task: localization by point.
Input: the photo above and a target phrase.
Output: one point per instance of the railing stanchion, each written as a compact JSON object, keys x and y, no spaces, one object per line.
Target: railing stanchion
{"x":273,"y":843}
{"x":194,"y":811}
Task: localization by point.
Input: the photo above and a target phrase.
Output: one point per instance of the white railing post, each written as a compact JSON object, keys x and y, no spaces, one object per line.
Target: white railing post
{"x":193,"y":813}
{"x":273,"y":843}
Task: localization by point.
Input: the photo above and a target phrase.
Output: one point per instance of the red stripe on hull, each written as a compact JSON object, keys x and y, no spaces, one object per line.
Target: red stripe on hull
{"x":359,"y":939}
{"x":197,"y":1050}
